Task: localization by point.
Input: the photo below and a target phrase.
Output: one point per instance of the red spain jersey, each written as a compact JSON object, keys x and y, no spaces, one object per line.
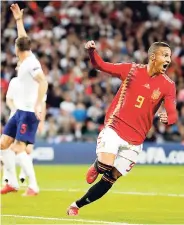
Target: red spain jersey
{"x":133,"y":108}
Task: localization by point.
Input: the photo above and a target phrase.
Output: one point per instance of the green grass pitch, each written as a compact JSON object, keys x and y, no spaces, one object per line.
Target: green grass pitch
{"x":148,"y":195}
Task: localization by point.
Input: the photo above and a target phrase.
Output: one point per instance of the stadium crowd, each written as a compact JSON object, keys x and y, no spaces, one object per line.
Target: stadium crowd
{"x":79,"y":95}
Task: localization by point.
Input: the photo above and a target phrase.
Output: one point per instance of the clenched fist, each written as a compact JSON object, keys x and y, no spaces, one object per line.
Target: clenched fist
{"x":163,"y":117}
{"x":90,"y":44}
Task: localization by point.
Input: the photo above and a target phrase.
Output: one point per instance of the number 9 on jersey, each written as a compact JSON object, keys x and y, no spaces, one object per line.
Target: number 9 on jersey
{"x":140,"y":100}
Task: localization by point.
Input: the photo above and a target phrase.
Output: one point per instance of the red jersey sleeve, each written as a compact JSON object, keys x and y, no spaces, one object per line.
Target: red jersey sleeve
{"x":119,"y":70}
{"x":170,"y":105}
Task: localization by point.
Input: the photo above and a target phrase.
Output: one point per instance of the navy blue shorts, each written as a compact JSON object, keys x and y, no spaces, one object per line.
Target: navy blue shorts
{"x":22,"y":126}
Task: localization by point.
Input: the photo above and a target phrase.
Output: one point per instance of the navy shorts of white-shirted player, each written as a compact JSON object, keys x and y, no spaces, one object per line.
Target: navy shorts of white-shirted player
{"x":22,"y":126}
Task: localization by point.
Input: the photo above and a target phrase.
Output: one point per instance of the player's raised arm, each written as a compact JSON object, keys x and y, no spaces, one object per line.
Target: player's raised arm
{"x":170,"y":106}
{"x":18,"y":16}
{"x":120,"y":70}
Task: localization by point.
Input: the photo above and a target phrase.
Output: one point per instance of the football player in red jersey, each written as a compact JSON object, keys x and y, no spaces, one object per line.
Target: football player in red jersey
{"x":129,"y":117}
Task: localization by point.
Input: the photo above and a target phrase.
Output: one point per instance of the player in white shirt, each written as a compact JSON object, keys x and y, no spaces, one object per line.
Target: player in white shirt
{"x":21,"y":129}
{"x":11,"y":101}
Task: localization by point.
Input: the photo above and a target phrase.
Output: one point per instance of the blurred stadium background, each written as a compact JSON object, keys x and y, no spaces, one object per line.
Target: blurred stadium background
{"x":77,"y":100}
{"x":78,"y":95}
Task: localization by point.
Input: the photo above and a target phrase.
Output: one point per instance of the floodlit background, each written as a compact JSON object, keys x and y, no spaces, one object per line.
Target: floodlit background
{"x":77,"y":100}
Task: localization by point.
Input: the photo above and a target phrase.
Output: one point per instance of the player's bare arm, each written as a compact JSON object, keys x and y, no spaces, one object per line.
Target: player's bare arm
{"x":118,"y":69}
{"x":10,"y":96}
{"x":42,"y":89}
{"x":43,"y":111}
{"x":41,"y":123}
{"x":18,"y":16}
{"x":10,"y":104}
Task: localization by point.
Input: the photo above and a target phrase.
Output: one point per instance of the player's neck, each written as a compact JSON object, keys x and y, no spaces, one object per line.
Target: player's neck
{"x":23,"y":55}
{"x":151,"y":70}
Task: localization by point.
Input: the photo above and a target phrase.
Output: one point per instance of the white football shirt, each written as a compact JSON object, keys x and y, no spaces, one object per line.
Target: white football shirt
{"x":27,"y":91}
{"x":13,"y":93}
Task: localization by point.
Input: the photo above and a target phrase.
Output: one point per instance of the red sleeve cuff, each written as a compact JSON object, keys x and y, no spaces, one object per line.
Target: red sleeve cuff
{"x":172,"y":119}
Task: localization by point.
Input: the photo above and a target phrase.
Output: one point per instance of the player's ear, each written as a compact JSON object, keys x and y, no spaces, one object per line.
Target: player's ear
{"x":152,"y":57}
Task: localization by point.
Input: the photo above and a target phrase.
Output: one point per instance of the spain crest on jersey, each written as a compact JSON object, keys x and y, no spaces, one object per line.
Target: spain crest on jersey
{"x":156,"y":94}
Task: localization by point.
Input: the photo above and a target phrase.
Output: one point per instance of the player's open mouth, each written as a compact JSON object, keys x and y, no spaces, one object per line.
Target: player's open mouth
{"x":165,"y":66}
